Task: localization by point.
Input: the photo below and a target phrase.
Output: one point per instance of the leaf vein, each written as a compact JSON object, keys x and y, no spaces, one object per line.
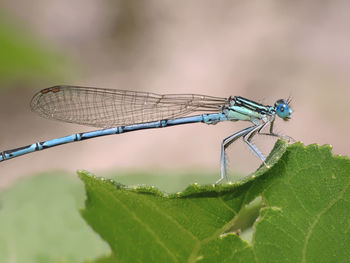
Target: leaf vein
{"x":317,"y":218}
{"x":157,"y":239}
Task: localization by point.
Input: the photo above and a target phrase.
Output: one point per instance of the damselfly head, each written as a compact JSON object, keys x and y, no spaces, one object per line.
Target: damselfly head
{"x":283,"y":110}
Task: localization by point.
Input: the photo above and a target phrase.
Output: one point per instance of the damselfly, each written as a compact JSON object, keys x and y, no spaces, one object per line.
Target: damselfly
{"x":120,"y":111}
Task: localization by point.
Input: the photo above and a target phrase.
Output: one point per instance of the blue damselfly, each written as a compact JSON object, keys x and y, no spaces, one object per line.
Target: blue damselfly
{"x":120,"y":111}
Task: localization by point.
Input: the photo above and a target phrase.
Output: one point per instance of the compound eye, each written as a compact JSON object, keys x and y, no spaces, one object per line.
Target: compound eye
{"x":283,"y":110}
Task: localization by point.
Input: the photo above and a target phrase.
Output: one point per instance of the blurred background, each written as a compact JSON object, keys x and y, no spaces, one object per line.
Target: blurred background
{"x":260,"y":50}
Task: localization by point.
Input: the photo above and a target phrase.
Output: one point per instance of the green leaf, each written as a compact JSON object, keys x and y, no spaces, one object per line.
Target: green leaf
{"x":305,"y":218}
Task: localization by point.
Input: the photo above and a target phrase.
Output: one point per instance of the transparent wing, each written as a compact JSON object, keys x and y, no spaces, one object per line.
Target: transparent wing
{"x":108,"y":107}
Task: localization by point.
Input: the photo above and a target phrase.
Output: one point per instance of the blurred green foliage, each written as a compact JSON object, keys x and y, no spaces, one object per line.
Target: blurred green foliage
{"x":40,"y":221}
{"x":24,"y":57}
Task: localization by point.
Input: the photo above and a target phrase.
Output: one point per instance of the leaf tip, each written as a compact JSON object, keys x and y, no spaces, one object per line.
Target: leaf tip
{"x":84,"y":175}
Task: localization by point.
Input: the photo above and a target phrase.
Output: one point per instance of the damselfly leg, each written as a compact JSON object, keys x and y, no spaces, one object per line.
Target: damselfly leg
{"x":224,"y":145}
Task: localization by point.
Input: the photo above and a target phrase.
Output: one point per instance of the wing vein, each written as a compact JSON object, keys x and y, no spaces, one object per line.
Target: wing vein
{"x":106,"y":108}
